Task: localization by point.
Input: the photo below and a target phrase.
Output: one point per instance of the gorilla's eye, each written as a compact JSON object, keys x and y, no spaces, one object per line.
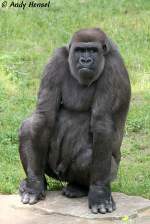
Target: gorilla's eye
{"x":79,"y":49}
{"x":93,"y":50}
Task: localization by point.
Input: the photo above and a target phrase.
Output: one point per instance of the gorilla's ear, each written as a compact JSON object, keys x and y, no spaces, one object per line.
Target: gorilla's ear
{"x":106,"y":45}
{"x":69,"y":45}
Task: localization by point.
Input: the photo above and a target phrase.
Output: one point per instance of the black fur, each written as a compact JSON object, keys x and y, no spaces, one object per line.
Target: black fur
{"x":76,"y":131}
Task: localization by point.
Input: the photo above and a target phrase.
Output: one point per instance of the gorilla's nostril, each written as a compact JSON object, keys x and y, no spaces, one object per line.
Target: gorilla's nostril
{"x":82,"y":61}
{"x":89,"y":60}
{"x":85,"y":61}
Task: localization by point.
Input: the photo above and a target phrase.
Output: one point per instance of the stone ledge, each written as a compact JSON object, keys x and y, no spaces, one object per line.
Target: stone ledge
{"x":55,"y":203}
{"x":59,"y":209}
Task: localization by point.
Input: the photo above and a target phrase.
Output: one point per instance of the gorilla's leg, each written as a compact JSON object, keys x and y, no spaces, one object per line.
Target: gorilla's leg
{"x":78,"y":185}
{"x":33,"y":138}
{"x":78,"y":174}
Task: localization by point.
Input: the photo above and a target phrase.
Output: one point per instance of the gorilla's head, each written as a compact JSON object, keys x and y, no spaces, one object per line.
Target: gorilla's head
{"x":87,"y":51}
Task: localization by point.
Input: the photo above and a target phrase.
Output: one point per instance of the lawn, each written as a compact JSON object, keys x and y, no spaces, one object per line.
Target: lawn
{"x":28,"y":38}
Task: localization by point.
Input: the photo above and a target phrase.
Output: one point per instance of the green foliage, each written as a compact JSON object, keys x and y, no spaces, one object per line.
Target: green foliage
{"x":28,"y":37}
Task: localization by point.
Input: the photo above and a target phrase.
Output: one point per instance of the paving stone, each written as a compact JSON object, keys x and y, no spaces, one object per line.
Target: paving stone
{"x":61,"y":210}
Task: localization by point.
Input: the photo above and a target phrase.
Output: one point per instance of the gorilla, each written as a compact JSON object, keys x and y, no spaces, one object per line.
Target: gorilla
{"x":76,"y":130}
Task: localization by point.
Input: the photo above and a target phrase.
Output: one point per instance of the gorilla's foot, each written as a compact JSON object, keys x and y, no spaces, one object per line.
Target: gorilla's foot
{"x":74,"y":191}
{"x":32,"y":192}
{"x":100,"y":200}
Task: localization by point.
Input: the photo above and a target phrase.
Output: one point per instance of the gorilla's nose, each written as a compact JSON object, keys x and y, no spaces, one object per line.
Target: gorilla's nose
{"x":86,"y":61}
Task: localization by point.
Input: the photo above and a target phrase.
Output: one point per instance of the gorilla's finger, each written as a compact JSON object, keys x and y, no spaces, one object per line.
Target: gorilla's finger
{"x":33,"y":199}
{"x":102,"y":209}
{"x":94,"y":209}
{"x":25,"y":198}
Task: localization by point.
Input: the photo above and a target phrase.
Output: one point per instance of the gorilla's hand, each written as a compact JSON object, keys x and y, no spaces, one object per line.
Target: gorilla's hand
{"x":100,"y":199}
{"x":31,"y":195}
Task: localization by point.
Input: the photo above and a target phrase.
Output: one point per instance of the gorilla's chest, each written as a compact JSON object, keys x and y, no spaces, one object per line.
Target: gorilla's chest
{"x":77,"y":97}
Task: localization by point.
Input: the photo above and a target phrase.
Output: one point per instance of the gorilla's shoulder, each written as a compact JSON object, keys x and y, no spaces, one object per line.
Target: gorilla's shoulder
{"x":62,"y":52}
{"x":59,"y":57}
{"x":57,"y":65}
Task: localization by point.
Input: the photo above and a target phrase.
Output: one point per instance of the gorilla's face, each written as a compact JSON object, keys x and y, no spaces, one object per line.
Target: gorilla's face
{"x":86,"y":61}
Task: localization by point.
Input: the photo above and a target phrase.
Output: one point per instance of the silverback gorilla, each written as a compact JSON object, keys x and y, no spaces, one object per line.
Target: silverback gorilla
{"x":76,"y":130}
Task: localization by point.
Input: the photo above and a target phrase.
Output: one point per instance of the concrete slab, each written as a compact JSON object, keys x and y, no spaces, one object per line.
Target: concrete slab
{"x":61,"y":210}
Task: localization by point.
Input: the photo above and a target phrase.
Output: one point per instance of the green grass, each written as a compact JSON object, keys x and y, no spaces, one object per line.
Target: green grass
{"x":27,"y":39}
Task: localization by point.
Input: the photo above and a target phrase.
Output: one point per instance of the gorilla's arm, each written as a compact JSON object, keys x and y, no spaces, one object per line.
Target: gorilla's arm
{"x":36,"y":130}
{"x":112,"y":94}
{"x":49,"y":94}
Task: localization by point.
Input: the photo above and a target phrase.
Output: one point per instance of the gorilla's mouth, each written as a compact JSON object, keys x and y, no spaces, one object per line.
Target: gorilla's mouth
{"x":85,"y":69}
{"x":86,"y":75}
{"x":86,"y":72}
